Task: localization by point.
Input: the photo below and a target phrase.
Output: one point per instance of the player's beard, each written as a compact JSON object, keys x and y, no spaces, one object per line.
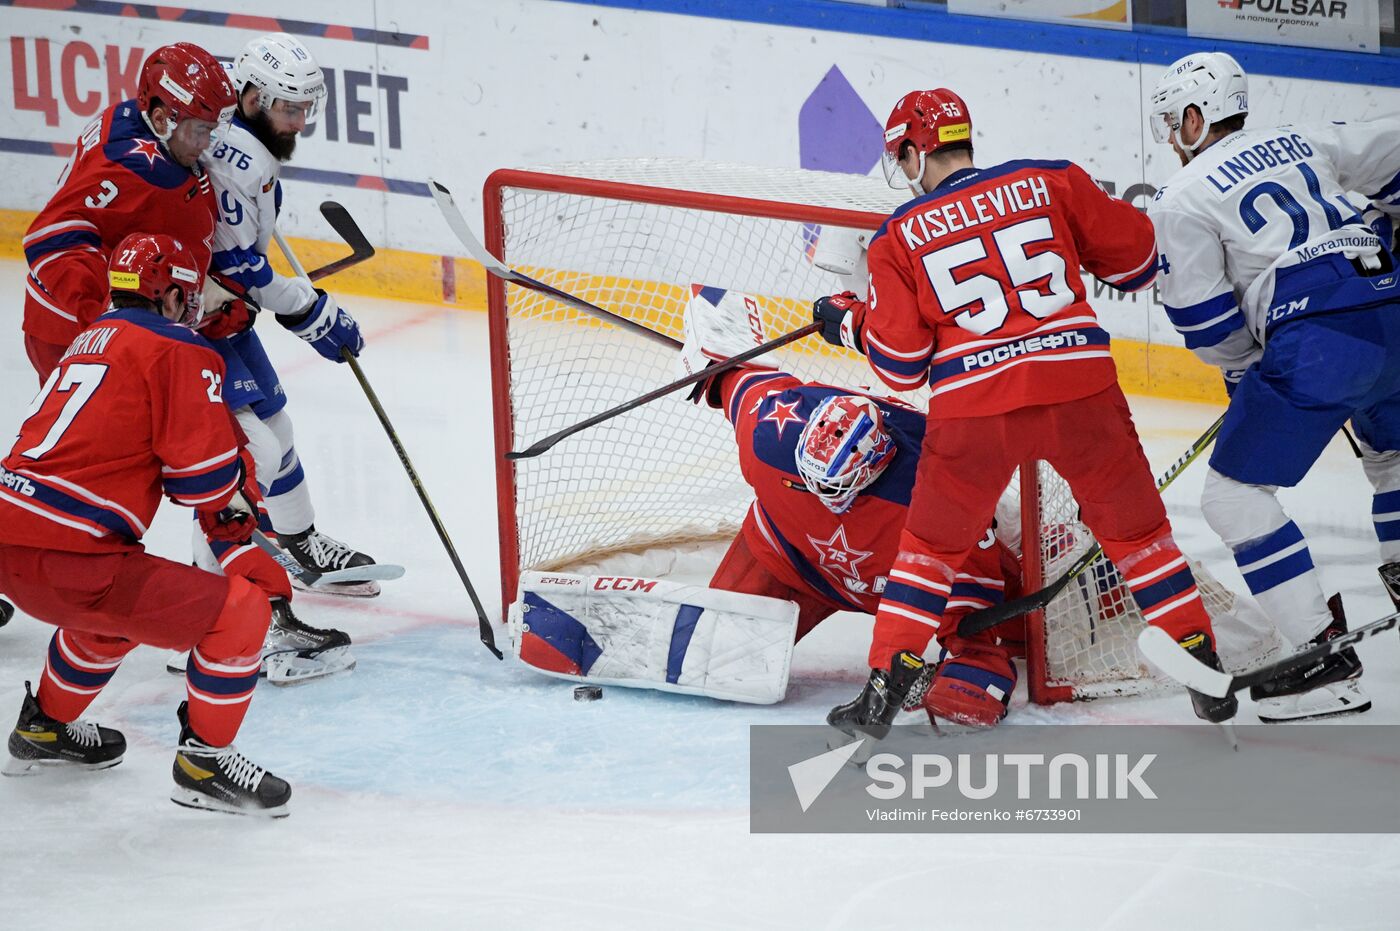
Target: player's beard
{"x":280,"y":145}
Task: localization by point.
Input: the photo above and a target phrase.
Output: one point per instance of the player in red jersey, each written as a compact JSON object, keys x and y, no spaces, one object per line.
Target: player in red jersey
{"x":135,"y":167}
{"x":132,"y":411}
{"x":974,"y":289}
{"x":832,"y":472}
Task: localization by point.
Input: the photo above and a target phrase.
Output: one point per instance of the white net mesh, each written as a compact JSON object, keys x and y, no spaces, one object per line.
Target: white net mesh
{"x":667,"y":473}
{"x":1091,"y":628}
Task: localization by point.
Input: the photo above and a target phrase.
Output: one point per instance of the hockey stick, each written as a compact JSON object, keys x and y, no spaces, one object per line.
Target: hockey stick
{"x":345,"y":225}
{"x":375,"y":572}
{"x":548,"y":442}
{"x":347,"y":229}
{"x":986,"y":618}
{"x":1158,"y":646}
{"x":494,"y":266}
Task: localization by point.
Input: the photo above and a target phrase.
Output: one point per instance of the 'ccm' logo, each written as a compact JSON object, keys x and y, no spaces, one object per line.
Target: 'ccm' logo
{"x":623,"y":584}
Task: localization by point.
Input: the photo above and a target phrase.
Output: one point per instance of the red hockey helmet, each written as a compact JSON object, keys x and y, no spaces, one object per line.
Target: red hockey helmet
{"x":150,"y":264}
{"x":929,"y":121}
{"x":842,"y":449}
{"x":189,"y":81}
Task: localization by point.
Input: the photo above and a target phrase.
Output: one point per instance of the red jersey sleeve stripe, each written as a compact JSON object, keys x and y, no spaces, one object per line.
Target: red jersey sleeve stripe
{"x":178,"y":471}
{"x":917,"y":354}
{"x":54,"y":228}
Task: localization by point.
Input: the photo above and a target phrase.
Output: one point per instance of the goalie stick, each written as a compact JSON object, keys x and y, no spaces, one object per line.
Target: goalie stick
{"x":1158,"y":646}
{"x":494,"y":266}
{"x":345,"y":225}
{"x":986,"y":618}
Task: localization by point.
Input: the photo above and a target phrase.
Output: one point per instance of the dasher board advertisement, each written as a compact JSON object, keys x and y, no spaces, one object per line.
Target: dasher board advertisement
{"x":1353,"y":25}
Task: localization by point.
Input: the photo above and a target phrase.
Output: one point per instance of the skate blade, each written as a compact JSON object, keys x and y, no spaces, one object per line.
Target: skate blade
{"x":189,"y":798}
{"x":368,"y":589}
{"x":1311,"y":706}
{"x":284,"y":669}
{"x":17,"y":767}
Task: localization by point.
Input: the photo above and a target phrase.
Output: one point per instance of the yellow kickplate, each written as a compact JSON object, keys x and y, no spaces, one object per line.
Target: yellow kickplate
{"x":191,"y":770}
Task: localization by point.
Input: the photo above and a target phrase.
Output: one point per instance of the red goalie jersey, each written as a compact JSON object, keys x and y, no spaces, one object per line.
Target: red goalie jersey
{"x":828,"y":562}
{"x":90,"y":465}
{"x":120,"y":180}
{"x":975,"y":287}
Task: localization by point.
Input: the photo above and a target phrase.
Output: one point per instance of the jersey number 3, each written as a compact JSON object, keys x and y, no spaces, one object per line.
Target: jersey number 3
{"x":1027,"y":274}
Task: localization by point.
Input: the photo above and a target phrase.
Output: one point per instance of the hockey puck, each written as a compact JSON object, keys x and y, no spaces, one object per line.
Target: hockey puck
{"x":587,"y":693}
{"x":7,"y":611}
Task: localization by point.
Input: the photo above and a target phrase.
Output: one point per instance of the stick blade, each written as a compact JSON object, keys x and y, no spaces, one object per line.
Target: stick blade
{"x":347,"y":229}
{"x":1170,"y":657}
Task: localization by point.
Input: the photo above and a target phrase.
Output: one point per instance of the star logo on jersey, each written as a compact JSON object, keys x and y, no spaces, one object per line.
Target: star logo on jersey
{"x":147,"y":147}
{"x":837,"y":556}
{"x":783,"y":414}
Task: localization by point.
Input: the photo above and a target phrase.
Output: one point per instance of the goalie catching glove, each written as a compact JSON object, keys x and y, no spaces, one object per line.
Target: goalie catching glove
{"x":653,"y":634}
{"x":842,"y":317}
{"x":718,"y":325}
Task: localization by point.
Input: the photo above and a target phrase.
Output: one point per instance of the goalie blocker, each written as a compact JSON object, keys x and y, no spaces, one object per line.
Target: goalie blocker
{"x":654,"y":634}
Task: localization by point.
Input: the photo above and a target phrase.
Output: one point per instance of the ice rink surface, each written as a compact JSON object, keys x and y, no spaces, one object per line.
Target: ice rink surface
{"x":435,"y":787}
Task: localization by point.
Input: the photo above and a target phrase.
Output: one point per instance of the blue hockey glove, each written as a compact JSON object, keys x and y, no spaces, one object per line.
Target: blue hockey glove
{"x":327,"y":327}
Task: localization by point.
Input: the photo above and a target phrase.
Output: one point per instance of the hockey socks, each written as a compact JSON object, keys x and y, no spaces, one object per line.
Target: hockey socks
{"x":1163,"y":587}
{"x":1278,"y":568}
{"x":79,"y":666}
{"x":223,"y":667}
{"x":912,"y":605}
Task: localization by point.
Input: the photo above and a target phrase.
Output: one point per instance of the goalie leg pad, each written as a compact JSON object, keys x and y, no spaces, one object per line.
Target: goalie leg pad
{"x":650,"y":633}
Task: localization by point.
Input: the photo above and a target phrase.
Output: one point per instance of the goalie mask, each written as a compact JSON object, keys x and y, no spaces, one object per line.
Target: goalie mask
{"x":842,"y":449}
{"x":929,"y":121}
{"x":1212,"y":82}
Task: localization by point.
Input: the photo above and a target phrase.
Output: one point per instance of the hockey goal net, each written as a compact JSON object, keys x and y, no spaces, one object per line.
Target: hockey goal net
{"x":632,"y":236}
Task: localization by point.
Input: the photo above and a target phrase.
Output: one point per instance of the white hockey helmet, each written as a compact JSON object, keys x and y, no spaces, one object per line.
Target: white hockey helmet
{"x":1213,"y":82}
{"x":281,"y":68}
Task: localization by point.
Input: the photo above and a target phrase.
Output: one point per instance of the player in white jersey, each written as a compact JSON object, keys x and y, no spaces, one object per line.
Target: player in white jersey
{"x":1269,"y":272}
{"x":280,"y":90}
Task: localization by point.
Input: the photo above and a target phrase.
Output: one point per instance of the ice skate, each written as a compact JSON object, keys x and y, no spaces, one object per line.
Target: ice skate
{"x":1208,"y":707}
{"x":886,"y":692}
{"x":222,"y":779}
{"x":1325,"y":689}
{"x":313,"y":550}
{"x":295,"y":652}
{"x":1390,"y":576}
{"x":40,"y":740}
